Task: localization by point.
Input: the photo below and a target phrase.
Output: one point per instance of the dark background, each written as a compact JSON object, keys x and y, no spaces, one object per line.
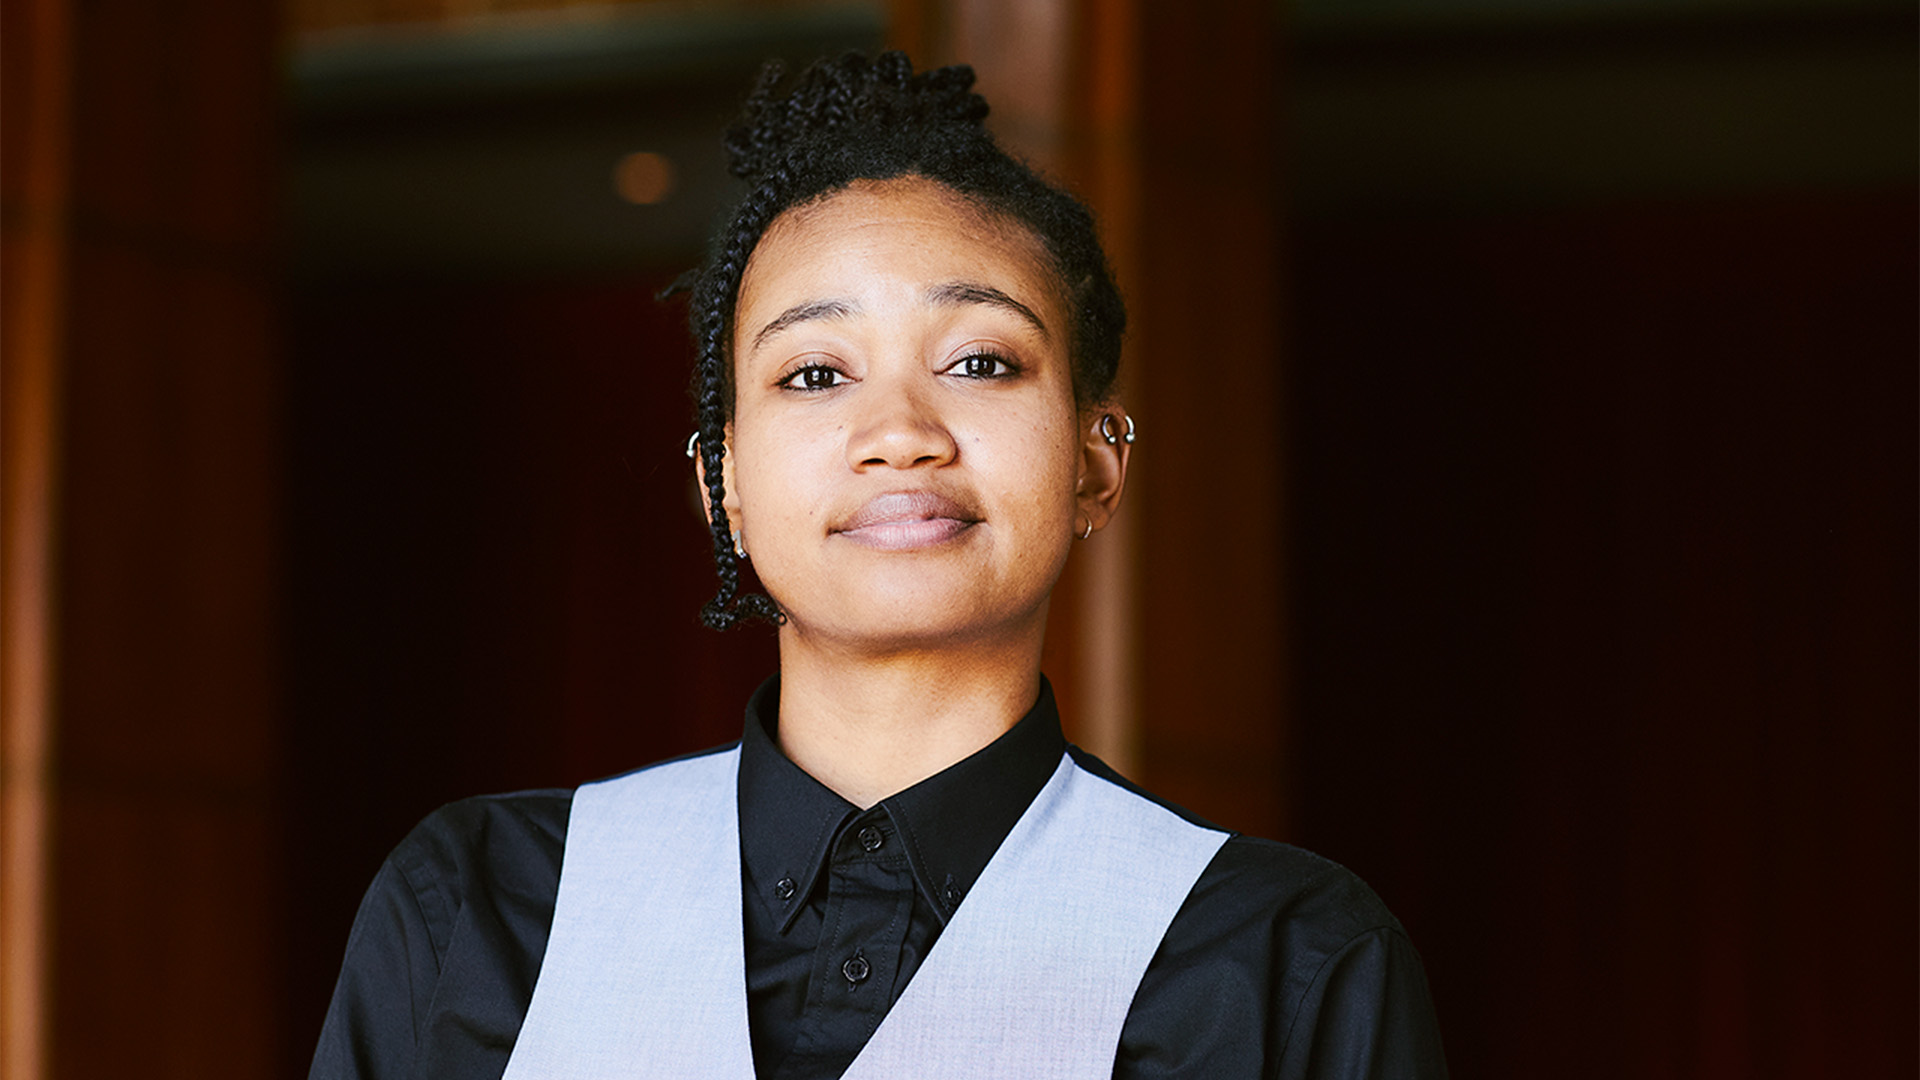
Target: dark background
{"x":1592,"y":437}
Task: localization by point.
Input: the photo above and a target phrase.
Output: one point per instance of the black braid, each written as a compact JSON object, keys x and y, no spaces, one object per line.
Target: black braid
{"x":713,"y":393}
{"x":855,"y":119}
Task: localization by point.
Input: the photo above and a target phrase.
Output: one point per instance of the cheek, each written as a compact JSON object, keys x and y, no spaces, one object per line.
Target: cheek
{"x":784,"y":470}
{"x":764,"y":480}
{"x":1037,"y":467}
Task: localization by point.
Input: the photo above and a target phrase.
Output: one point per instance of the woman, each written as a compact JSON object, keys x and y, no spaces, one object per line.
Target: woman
{"x":907,"y":347}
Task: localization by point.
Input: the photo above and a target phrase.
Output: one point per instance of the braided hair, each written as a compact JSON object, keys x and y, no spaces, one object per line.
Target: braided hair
{"x":853,"y":119}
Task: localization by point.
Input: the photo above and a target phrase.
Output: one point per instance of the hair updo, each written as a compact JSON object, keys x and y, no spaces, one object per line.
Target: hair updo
{"x":852,"y":119}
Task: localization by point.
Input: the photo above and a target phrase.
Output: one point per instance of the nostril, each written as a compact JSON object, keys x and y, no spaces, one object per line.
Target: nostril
{"x":903,"y":442}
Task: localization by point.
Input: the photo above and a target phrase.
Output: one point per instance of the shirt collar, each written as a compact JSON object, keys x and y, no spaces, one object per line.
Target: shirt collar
{"x":951,"y":822}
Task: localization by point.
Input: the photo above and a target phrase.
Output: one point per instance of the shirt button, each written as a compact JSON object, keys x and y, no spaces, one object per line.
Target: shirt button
{"x":856,"y":969}
{"x":872,"y":838}
{"x":783,"y":889}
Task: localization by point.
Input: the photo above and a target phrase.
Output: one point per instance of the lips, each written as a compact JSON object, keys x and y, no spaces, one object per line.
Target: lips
{"x":907,"y":520}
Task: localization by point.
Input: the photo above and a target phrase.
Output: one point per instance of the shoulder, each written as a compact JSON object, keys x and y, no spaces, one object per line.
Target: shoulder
{"x":510,"y":844}
{"x":507,"y":849}
{"x":1283,"y":964}
{"x":489,"y":843}
{"x":1319,"y":904}
{"x":1345,"y":992}
{"x":449,"y":939}
{"x":1251,"y":880}
{"x":469,"y":826}
{"x":454,"y":924}
{"x":1279,"y":963}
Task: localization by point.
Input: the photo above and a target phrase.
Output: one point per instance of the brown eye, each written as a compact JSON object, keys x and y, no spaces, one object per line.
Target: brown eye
{"x":985,"y":366}
{"x":813,"y":377}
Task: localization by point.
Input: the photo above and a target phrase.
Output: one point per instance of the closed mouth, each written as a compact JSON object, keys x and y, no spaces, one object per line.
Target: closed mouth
{"x":906,"y":520}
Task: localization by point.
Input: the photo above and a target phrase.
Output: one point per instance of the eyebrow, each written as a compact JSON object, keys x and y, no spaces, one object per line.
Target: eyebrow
{"x":799,"y":313}
{"x":951,"y":293}
{"x":967,"y":292}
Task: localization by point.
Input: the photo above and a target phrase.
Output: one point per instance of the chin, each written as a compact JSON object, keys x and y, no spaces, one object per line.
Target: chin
{"x":883,"y":624}
{"x":885,"y":601}
{"x":952,"y":639}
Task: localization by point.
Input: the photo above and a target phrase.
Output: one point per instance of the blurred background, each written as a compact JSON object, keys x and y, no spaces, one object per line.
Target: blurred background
{"x":1524,"y":514}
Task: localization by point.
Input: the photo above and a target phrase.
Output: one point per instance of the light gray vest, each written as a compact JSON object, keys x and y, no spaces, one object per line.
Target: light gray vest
{"x":645,"y":970}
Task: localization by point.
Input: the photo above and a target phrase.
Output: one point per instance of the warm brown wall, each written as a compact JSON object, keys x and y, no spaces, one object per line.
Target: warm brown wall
{"x":33,"y":248}
{"x":1207,"y":286}
{"x":1605,"y":529}
{"x":161,"y":904}
{"x":1603,"y":520}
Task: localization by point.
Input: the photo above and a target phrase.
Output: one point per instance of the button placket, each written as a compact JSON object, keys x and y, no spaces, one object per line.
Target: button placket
{"x":856,"y":969}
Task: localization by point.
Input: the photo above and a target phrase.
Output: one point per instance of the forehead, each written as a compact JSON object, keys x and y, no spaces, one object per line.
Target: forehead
{"x":910,"y":228}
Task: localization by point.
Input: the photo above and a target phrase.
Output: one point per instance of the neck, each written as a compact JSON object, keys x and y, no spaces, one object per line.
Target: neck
{"x":868,"y":726}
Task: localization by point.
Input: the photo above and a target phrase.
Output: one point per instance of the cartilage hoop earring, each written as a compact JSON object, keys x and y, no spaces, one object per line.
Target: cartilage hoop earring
{"x":1106,"y":431}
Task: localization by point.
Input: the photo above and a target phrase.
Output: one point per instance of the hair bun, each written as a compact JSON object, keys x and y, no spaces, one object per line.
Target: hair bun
{"x":834,"y":100}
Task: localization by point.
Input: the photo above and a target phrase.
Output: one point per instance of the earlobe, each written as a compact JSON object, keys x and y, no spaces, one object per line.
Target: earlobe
{"x":1106,"y":446}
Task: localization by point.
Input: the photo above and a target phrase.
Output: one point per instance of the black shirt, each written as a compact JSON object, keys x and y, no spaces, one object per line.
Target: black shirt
{"x":1279,"y":963}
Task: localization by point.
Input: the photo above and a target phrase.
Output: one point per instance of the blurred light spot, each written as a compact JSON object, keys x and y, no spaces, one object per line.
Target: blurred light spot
{"x":643,"y":178}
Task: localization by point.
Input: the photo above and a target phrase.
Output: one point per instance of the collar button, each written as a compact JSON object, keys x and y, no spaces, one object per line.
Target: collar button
{"x":783,"y":890}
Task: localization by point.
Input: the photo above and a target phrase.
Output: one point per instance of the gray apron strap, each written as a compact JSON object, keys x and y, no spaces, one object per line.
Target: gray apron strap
{"x":1035,"y":974}
{"x":645,"y":970}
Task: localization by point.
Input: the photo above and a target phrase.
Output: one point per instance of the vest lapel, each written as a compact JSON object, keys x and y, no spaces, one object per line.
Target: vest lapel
{"x":645,"y":969}
{"x":1035,"y":974}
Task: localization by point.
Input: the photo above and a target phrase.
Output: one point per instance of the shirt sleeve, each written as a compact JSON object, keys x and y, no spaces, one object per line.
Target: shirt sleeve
{"x":1281,"y":965}
{"x":386,"y":982}
{"x":1366,"y":1015}
{"x":448,"y":942}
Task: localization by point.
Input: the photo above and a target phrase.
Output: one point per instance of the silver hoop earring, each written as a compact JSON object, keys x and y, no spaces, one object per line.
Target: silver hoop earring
{"x":1106,"y":431}
{"x":1089,"y":530}
{"x":740,"y":543}
{"x":693,"y":446}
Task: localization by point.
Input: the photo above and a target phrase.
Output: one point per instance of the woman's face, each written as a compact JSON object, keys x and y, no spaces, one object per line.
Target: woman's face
{"x":906,"y":462}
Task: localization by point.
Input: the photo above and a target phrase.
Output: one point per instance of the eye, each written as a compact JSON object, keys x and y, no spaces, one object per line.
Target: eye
{"x":984,"y":366}
{"x":813,"y":377}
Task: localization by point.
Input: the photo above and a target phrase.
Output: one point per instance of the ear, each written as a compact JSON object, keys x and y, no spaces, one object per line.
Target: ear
{"x":731,"y":500}
{"x":1103,"y":464}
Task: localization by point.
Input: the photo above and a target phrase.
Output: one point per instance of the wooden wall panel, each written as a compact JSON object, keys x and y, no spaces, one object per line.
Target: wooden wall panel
{"x":150,"y":258}
{"x":34,"y":60}
{"x":1213,"y":675}
{"x":1606,"y":540}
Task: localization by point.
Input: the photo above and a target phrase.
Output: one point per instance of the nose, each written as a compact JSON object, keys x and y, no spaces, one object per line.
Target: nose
{"x":900,"y":428}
